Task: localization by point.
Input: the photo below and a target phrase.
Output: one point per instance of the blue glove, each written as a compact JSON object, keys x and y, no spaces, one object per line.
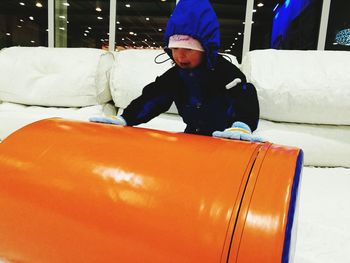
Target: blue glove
{"x":238,"y":131}
{"x":117,"y":120}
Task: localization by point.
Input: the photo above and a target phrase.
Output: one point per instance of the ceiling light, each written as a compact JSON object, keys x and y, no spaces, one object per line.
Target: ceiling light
{"x":21,"y":3}
{"x":8,"y":34}
{"x":31,"y":18}
{"x":99,"y":17}
{"x":98,"y":9}
{"x":61,"y":28}
{"x":127,"y":5}
{"x":32,"y":41}
{"x":21,"y":20}
{"x":123,"y":39}
{"x":254,"y":10}
{"x":260,"y":4}
{"x":118,"y":22}
{"x":89,"y":27}
{"x":38,"y":4}
{"x":239,"y":33}
{"x":131,"y":33}
{"x":160,"y":30}
{"x":62,"y":17}
{"x":236,"y":38}
{"x":120,"y":28}
{"x":228,"y":50}
{"x":146,"y":39}
{"x":135,"y":34}
{"x":85,"y":34}
{"x":66,"y":4}
{"x":19,"y":26}
{"x":67,"y":22}
{"x":87,"y":31}
{"x":147,"y":18}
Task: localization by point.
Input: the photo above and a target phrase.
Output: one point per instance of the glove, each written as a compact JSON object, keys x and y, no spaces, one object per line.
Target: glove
{"x":238,"y":131}
{"x":117,"y":120}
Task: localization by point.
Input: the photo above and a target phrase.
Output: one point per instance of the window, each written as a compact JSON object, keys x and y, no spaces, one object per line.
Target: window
{"x":279,"y":24}
{"x":286,"y":24}
{"x":81,"y":23}
{"x":338,"y":30}
{"x":262,"y":24}
{"x":23,"y":23}
{"x":231,"y":15}
{"x":141,"y":24}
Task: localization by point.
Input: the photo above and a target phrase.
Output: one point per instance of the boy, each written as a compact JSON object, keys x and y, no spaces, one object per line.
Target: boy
{"x":210,"y":93}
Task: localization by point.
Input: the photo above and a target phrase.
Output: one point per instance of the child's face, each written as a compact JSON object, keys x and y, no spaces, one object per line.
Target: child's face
{"x":187,"y":58}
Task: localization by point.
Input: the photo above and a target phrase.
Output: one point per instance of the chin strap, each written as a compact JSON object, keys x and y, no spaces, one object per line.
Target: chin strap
{"x":160,"y":62}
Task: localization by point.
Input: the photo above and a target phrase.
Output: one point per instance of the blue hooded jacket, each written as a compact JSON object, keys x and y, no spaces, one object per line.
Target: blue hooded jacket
{"x":200,"y":94}
{"x":195,"y":18}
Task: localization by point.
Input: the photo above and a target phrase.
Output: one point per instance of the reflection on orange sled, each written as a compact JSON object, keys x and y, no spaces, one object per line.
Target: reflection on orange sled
{"x":87,"y":192}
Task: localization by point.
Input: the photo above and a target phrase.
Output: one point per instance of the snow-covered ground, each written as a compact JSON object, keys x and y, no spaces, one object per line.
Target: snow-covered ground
{"x":324,"y":216}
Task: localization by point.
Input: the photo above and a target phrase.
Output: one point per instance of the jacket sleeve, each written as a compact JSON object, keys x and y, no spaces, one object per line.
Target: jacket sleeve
{"x":243,"y":97}
{"x":246,"y":104}
{"x":155,"y":99}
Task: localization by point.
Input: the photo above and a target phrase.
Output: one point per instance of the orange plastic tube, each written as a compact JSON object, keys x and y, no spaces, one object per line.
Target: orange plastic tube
{"x":86,"y":192}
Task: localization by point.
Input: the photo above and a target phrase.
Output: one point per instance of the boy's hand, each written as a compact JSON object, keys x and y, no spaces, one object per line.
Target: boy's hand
{"x":238,"y":131}
{"x":117,"y":120}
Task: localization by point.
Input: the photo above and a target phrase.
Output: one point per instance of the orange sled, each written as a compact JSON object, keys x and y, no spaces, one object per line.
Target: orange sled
{"x":85,"y":192}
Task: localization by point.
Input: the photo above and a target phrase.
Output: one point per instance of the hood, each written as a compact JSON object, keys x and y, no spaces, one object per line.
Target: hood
{"x":197,"y":19}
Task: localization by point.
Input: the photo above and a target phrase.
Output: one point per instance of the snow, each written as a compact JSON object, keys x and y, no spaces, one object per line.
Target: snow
{"x":324,"y":216}
{"x":323,"y":145}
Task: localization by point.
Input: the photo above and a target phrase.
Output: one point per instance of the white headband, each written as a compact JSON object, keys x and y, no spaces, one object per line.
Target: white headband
{"x":184,"y":41}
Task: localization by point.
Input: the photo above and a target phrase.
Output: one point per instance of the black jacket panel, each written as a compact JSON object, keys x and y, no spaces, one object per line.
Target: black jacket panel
{"x":215,"y":109}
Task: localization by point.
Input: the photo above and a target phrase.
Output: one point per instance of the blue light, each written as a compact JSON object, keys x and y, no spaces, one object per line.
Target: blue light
{"x":276,"y":16}
{"x":343,"y":37}
{"x":274,"y":9}
{"x":286,"y":4}
{"x":284,"y":16}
